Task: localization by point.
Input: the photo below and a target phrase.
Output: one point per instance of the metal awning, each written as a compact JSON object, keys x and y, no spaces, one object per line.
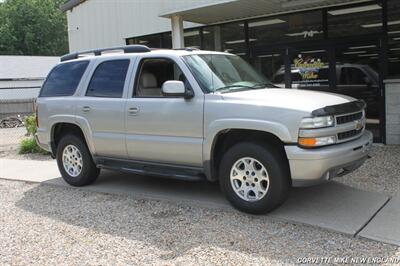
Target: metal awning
{"x":229,"y":10}
{"x":70,"y":4}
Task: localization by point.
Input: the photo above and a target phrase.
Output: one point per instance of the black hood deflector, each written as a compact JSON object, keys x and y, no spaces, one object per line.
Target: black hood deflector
{"x":339,"y":109}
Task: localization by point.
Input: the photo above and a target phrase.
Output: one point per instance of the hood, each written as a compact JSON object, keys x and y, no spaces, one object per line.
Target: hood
{"x":303,"y":100}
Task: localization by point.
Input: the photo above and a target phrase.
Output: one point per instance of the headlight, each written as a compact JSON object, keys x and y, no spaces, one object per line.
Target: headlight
{"x":316,"y":122}
{"x":317,"y":142}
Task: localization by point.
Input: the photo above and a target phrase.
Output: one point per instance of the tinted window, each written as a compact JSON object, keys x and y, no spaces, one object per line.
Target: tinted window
{"x":108,"y":79}
{"x":63,"y":79}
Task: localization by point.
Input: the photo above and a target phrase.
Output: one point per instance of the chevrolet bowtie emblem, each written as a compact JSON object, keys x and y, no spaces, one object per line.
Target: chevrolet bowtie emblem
{"x":359,"y":124}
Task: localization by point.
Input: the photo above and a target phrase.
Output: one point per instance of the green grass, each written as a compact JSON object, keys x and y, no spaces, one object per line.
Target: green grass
{"x":29,"y":145}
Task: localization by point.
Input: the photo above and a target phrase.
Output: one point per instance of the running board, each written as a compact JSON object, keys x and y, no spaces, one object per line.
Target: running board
{"x":186,"y":173}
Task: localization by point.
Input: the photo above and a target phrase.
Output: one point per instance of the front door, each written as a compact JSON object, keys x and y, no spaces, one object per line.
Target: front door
{"x":163,"y":129}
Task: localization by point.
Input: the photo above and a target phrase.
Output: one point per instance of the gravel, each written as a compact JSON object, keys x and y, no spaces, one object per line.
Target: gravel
{"x":10,"y":139}
{"x":381,"y":173}
{"x":47,"y":225}
{"x":11,"y":136}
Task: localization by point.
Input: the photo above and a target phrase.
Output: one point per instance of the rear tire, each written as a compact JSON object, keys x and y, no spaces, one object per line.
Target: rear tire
{"x":254,"y":177}
{"x":75,"y":161}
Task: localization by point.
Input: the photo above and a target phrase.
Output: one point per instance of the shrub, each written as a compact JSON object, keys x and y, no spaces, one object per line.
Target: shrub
{"x":30,"y":124}
{"x":29,"y":145}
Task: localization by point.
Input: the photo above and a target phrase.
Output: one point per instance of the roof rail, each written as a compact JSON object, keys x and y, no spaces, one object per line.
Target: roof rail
{"x":128,"y":49}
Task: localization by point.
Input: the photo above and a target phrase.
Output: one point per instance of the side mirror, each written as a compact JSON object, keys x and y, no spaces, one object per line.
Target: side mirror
{"x":176,"y":88}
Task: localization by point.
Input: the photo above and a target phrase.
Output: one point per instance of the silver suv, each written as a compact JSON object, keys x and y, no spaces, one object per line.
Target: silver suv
{"x":191,"y":115}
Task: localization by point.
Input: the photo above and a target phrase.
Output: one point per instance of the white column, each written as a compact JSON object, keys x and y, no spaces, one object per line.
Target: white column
{"x":177,"y":32}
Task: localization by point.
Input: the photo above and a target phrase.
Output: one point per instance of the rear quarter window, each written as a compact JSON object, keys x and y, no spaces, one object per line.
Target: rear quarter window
{"x":63,"y":79}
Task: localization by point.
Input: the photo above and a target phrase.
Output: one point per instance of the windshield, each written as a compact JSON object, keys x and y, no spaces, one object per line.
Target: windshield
{"x":225,"y":73}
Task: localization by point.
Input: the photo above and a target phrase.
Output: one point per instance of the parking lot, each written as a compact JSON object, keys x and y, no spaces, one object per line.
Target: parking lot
{"x":45,"y":224}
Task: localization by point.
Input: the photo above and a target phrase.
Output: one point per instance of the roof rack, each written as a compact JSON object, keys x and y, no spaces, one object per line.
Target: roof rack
{"x":128,"y":49}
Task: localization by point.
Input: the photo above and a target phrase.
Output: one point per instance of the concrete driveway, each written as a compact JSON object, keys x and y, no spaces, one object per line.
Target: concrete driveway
{"x":332,"y":206}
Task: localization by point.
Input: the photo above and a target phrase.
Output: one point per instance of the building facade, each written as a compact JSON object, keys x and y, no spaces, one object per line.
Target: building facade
{"x":20,"y":80}
{"x":22,"y":76}
{"x":340,"y":46}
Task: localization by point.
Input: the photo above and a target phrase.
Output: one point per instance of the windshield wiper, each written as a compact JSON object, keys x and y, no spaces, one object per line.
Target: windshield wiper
{"x":265,"y":84}
{"x":229,"y":88}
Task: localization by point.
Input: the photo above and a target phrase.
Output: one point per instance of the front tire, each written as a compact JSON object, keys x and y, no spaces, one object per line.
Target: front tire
{"x":254,"y":177}
{"x":75,"y":161}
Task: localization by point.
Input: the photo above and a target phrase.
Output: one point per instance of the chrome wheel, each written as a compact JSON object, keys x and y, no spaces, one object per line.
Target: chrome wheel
{"x":249,"y":179}
{"x":72,"y":160}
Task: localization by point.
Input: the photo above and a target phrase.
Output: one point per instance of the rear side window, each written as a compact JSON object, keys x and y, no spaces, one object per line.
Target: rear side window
{"x":64,"y":79}
{"x":108,"y":79}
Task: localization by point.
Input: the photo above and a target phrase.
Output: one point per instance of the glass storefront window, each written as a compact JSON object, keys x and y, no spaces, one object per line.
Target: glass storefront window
{"x":355,"y":20}
{"x":161,"y":40}
{"x":167,"y":40}
{"x":153,"y":41}
{"x":394,"y":38}
{"x":232,"y":38}
{"x":357,"y":71}
{"x":192,"y":38}
{"x":287,"y":28}
{"x":212,"y":38}
{"x":271,"y":65}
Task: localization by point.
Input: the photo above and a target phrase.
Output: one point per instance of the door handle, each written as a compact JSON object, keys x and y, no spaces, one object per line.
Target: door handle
{"x":86,"y":109}
{"x":133,"y":110}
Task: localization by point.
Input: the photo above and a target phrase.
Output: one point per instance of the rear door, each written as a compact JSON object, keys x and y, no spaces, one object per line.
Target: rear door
{"x":102,"y":107}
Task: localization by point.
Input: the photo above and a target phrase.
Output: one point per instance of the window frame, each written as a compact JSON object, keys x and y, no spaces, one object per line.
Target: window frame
{"x":93,"y":72}
{"x":138,"y":74}
{"x":77,"y":86}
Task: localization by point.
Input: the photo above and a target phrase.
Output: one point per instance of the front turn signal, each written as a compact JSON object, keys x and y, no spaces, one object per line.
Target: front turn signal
{"x":317,"y":142}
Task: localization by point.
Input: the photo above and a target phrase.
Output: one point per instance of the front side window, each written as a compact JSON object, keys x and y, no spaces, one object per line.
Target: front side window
{"x":225,"y":73}
{"x":108,"y":79}
{"x":152,"y":75}
{"x":64,"y":79}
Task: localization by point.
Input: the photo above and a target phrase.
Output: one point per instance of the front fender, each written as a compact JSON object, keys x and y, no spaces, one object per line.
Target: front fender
{"x":217,"y":126}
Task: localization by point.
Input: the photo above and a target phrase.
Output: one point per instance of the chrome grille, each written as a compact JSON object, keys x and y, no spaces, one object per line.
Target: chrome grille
{"x":349,"y":134}
{"x":348,"y":118}
{"x":352,"y":125}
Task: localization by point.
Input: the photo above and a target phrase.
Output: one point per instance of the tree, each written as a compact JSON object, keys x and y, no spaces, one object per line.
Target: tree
{"x":33,"y":27}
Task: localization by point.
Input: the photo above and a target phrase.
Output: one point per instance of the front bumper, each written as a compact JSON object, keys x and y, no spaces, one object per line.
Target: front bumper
{"x":314,"y":166}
